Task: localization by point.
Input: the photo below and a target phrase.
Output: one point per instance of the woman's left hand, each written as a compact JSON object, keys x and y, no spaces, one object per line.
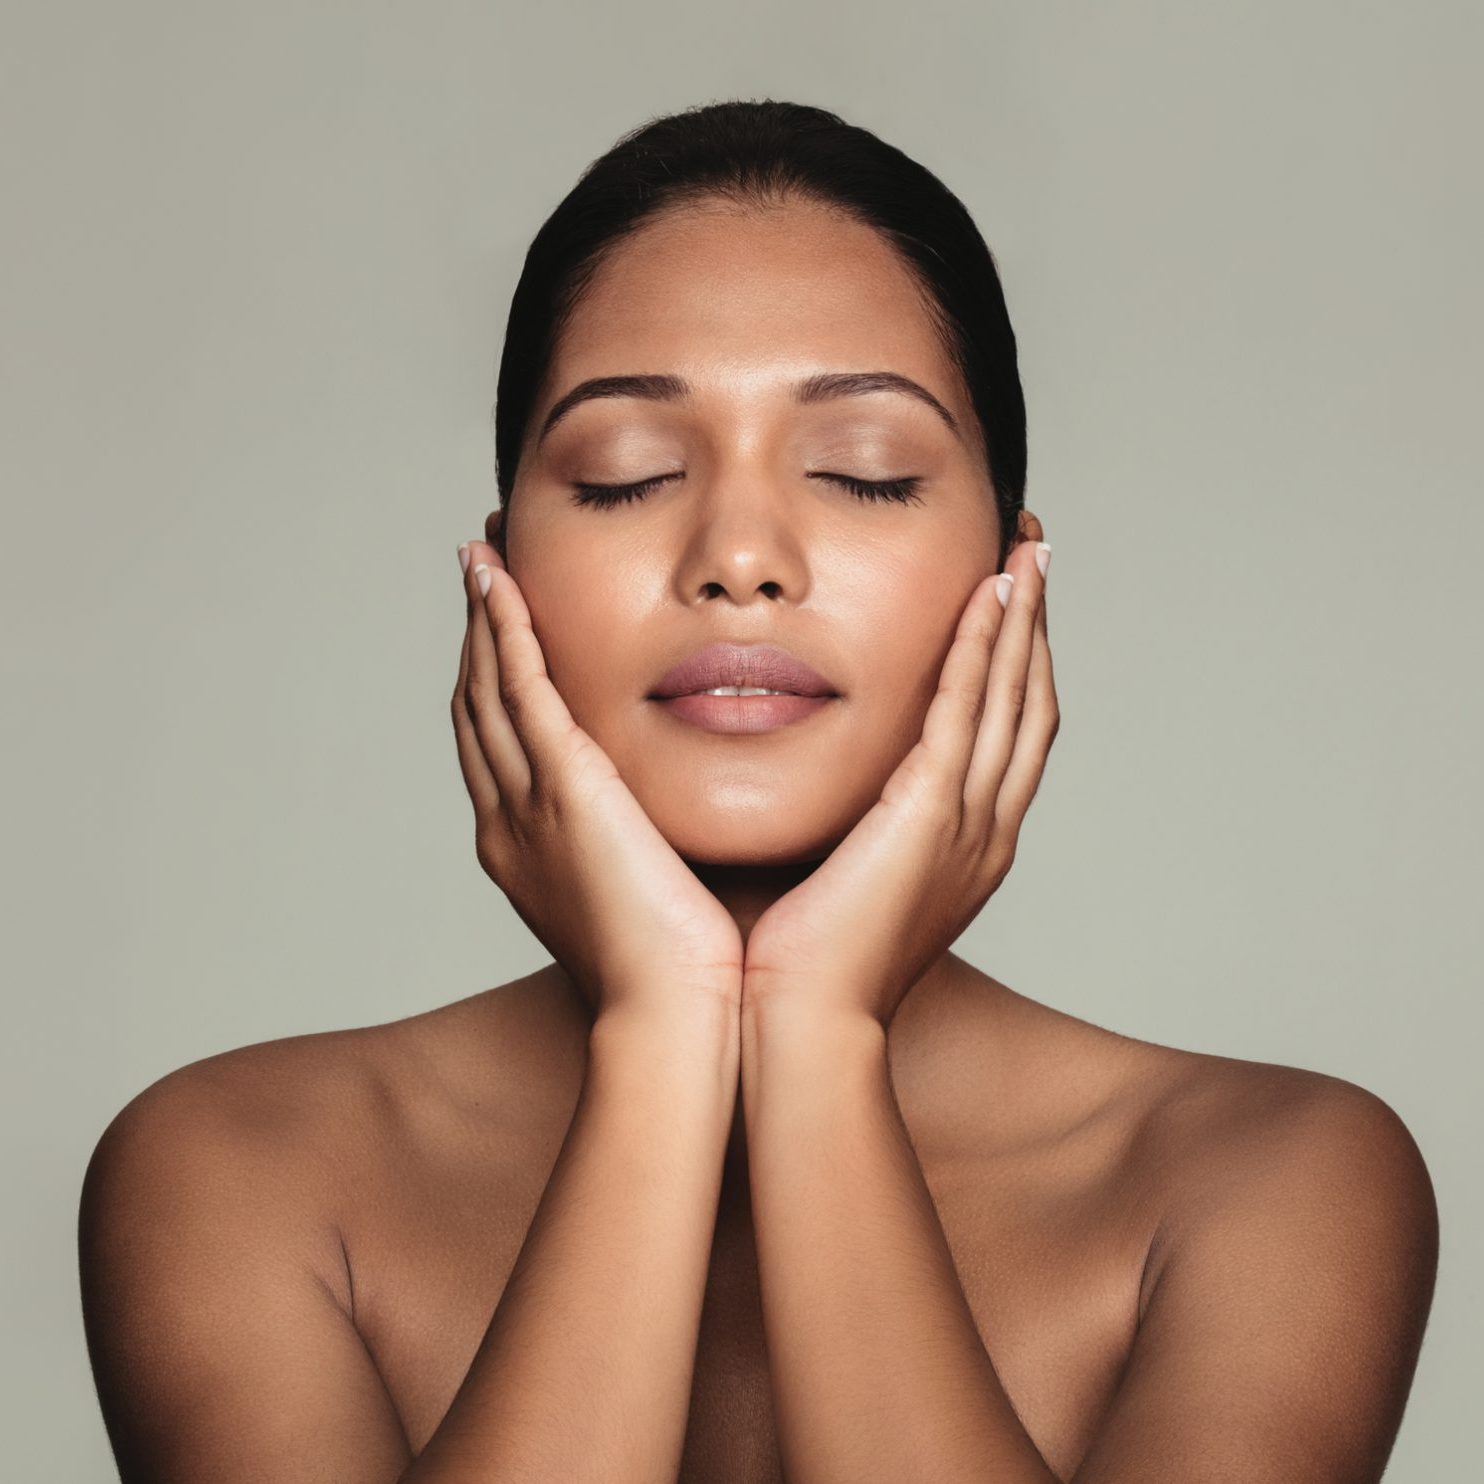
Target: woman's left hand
{"x":893,"y":896}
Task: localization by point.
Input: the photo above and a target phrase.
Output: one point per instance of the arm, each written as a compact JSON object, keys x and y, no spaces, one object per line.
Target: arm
{"x":1289,"y":1295}
{"x":878,"y":1370}
{"x":215,"y":1306}
{"x":223,"y":1350}
{"x":586,"y":1369}
{"x":1279,"y":1342}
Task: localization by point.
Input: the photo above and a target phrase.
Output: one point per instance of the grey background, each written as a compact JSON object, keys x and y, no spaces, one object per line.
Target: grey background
{"x":257,"y":265}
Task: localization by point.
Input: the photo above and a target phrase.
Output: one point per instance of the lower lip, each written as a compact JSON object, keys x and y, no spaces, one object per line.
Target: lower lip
{"x":743,"y":713}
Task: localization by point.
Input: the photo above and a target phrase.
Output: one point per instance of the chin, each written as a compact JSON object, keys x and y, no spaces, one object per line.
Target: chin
{"x":706,"y":832}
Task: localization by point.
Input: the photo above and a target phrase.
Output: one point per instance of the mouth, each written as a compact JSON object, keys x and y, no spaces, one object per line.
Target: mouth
{"x":745,"y":713}
{"x":743,"y":688}
{"x":742,"y":668}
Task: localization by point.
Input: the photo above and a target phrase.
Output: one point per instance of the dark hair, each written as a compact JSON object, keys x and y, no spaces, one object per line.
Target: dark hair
{"x":764,"y":153}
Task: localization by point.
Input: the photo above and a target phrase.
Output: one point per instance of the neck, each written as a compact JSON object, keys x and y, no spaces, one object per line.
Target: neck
{"x":748,"y":891}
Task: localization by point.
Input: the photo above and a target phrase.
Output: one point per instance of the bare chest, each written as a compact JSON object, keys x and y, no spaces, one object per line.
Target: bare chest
{"x":1050,"y":1271}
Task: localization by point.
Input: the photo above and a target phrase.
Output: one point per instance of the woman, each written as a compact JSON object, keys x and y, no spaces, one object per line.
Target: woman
{"x":756,"y":1179}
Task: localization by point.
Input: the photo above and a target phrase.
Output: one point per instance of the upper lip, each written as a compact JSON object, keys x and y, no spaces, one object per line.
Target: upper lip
{"x":765,"y":665}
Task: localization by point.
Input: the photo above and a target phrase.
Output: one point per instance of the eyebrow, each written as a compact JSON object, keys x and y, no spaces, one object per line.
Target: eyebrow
{"x":820,"y":388}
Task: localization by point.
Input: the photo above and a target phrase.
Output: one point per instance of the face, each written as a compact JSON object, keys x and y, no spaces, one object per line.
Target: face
{"x":742,"y":538}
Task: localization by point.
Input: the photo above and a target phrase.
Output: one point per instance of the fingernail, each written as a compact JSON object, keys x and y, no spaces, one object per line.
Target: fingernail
{"x":482,"y":577}
{"x":1043,"y":556}
{"x":1003,"y":583}
{"x":464,"y":557}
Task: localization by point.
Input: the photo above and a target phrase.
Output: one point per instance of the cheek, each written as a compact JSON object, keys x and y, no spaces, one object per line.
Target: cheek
{"x":900,"y":687}
{"x":581,"y":619}
{"x":901,"y":622}
{"x":899,"y":654}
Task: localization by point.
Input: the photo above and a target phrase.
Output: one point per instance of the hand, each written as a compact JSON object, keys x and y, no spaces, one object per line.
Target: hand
{"x":559,"y":832}
{"x":893,"y":896}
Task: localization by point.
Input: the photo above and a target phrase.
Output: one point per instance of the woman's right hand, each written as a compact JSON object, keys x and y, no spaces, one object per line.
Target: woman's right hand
{"x":559,"y":832}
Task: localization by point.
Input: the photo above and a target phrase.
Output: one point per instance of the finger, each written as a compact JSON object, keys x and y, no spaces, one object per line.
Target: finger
{"x":498,"y":739}
{"x":535,"y":710}
{"x":1039,"y":723}
{"x":478,"y":779}
{"x":952,"y":719}
{"x":1009,"y":673}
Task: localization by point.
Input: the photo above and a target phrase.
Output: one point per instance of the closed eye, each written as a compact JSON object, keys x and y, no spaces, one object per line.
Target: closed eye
{"x":903,"y":490}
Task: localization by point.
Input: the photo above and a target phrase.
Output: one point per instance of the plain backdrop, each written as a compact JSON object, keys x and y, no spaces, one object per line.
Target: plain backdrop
{"x":257,"y":262}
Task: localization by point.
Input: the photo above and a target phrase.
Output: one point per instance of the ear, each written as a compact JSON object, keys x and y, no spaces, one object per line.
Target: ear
{"x":1027,"y":528}
{"x":494,"y":530}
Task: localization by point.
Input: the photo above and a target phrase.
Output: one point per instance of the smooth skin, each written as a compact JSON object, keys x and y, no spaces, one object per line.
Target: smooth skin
{"x":756,"y":1180}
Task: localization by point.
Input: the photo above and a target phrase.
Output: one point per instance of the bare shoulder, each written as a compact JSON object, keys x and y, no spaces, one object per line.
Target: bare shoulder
{"x":246,"y":1140}
{"x":216,"y":1229}
{"x":1286,"y":1252}
{"x":1216,"y":1125}
{"x":308,"y":1117}
{"x":1270,"y":1135}
{"x":1290,"y":1276}
{"x":276,"y":1103}
{"x":1296,"y":1237}
{"x":305,"y":1107}
{"x":1211,"y":1141}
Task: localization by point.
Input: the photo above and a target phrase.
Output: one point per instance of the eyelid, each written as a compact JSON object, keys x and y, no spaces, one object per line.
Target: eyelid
{"x":613,"y":494}
{"x":902,"y":489}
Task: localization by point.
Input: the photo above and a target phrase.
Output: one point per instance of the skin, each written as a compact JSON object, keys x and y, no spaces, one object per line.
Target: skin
{"x":571,"y":1227}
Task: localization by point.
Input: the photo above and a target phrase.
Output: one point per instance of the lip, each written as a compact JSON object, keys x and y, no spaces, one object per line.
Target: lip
{"x":769,"y":666}
{"x":742,"y":713}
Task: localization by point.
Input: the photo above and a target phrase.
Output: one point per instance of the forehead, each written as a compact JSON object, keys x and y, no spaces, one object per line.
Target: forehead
{"x":743,"y":301}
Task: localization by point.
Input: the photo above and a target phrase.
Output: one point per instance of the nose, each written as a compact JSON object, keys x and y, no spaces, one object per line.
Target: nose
{"x":745,"y":539}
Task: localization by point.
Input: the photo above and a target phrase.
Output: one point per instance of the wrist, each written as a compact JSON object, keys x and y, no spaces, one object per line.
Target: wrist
{"x":689,"y":1035}
{"x":810,"y":1026}
{"x":805,"y":1004}
{"x":669,"y":1083}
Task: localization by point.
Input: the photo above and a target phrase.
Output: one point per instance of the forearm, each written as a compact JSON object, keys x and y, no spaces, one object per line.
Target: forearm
{"x":585,"y":1371}
{"x":878,"y":1369}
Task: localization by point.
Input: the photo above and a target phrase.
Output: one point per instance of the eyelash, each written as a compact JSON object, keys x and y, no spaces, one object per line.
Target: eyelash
{"x":902,"y":490}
